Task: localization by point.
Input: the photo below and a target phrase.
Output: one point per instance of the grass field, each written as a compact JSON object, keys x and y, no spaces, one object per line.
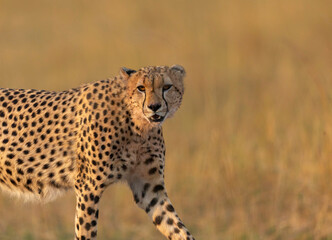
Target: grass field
{"x":250,"y":151}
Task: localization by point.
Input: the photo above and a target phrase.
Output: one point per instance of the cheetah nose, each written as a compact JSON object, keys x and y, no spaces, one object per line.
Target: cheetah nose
{"x":154,"y":107}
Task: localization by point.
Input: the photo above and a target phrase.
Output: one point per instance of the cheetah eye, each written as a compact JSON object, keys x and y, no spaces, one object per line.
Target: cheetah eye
{"x":167,"y":87}
{"x":141,"y":88}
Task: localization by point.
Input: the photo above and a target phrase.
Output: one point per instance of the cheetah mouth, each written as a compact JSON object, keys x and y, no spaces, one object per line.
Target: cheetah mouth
{"x":156,"y":118}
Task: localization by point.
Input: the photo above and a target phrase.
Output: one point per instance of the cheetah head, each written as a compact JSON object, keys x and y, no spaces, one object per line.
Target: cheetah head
{"x":154,"y":93}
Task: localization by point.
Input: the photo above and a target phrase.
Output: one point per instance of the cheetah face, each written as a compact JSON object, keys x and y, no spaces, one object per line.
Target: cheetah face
{"x":155,"y":93}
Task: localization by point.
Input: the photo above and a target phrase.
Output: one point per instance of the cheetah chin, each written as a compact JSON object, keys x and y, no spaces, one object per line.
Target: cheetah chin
{"x":156,"y":118}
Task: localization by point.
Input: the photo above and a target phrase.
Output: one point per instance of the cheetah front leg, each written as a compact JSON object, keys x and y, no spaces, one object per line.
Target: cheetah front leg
{"x":86,"y":210}
{"x":150,"y":195}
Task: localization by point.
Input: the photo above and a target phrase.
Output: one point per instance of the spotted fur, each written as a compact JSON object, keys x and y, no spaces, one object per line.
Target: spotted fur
{"x":90,"y":137}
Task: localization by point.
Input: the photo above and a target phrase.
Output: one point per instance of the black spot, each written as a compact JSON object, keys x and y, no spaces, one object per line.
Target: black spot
{"x":158,"y":220}
{"x":13,"y":182}
{"x":170,"y":221}
{"x":136,"y":198}
{"x":158,"y":188}
{"x":93,"y":234}
{"x":148,"y":161}
{"x":152,"y":170}
{"x":153,"y":202}
{"x":90,"y":210}
{"x":20,"y":171}
{"x":170,"y":208}
{"x":180,"y":225}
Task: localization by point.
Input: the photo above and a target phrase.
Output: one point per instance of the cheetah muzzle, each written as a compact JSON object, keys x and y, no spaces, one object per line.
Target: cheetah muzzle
{"x":90,"y":137}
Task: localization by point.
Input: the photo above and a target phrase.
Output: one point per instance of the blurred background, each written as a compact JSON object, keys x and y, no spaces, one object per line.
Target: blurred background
{"x":249,"y":152}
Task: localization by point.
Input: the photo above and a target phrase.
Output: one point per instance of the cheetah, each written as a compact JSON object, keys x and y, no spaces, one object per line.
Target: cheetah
{"x":90,"y":137}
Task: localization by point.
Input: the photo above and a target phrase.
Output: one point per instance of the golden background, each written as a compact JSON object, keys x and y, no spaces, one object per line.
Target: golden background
{"x":249,"y":152}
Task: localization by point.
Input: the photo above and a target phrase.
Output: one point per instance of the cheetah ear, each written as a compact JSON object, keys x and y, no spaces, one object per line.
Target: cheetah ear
{"x":178,"y":70}
{"x":126,"y":72}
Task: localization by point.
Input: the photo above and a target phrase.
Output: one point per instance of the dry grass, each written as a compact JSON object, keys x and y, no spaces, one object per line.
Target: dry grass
{"x":249,"y":153}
